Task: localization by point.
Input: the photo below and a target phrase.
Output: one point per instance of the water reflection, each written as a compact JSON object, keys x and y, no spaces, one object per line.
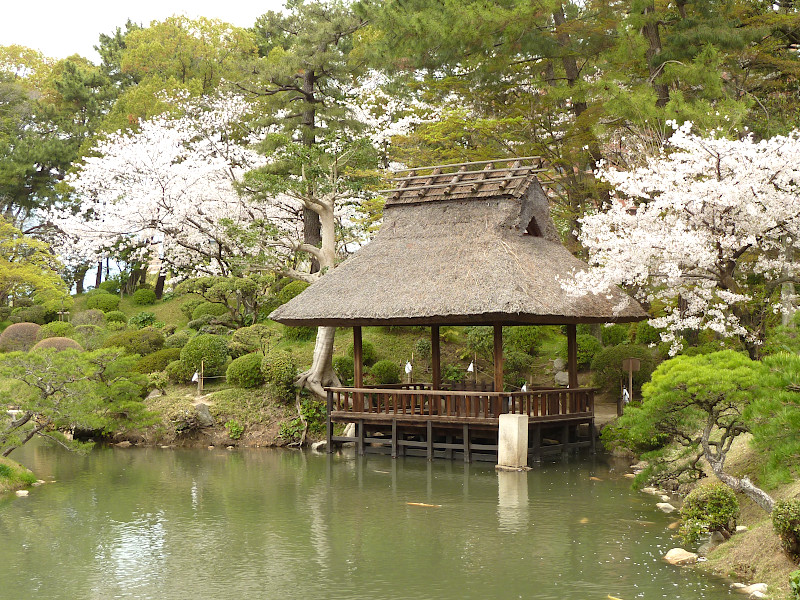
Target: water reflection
{"x":512,"y":500}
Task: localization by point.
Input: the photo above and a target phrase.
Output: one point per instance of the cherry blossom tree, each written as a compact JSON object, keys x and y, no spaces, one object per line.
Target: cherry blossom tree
{"x":703,"y":234}
{"x":169,"y":188}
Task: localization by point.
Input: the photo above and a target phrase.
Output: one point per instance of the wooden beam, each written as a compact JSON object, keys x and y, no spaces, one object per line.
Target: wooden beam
{"x":436,"y":359}
{"x":479,"y":162}
{"x":358,"y":366}
{"x":462,"y":183}
{"x":498,"y":361}
{"x":572,"y":355}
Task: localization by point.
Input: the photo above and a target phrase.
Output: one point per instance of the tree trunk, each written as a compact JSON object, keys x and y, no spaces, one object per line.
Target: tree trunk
{"x":80,"y":275}
{"x":321,"y":373}
{"x":99,"y":278}
{"x":652,"y":35}
{"x":311,"y":224}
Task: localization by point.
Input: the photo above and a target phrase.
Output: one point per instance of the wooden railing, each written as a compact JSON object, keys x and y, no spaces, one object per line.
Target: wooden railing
{"x":424,"y":402}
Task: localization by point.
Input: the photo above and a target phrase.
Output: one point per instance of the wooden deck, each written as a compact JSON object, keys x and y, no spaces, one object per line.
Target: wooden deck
{"x":413,"y":418}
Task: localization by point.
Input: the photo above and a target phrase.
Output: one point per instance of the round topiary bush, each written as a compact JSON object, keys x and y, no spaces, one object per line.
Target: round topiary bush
{"x":525,"y":338}
{"x":178,"y":339}
{"x":607,"y":366}
{"x":386,"y":372}
{"x":368,"y":354}
{"x":29,"y":314}
{"x":89,"y":317}
{"x":646,"y":334}
{"x":109,"y":285}
{"x":786,"y":523}
{"x":144,"y":297}
{"x":588,"y":346}
{"x":139,"y":341}
{"x":104,"y":302}
{"x":55,"y":329}
{"x":116,"y":316}
{"x":57,"y":343}
{"x":210,"y":350}
{"x":709,"y":508}
{"x":158,"y":360}
{"x":19,"y":337}
{"x":250,"y":339}
{"x":290,"y":290}
{"x":615,"y":334}
{"x":187,"y":308}
{"x":279,"y":371}
{"x":212,"y":309}
{"x":245,"y":371}
{"x":178,"y":372}
{"x":91,"y":337}
{"x":344,"y":368}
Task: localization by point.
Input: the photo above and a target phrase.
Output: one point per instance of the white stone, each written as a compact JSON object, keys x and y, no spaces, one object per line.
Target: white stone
{"x":22,"y":493}
{"x":651,"y":490}
{"x":679,"y":556}
{"x":512,"y":442}
{"x":123,"y":444}
{"x":755,"y":588}
{"x":562,"y":378}
{"x":319,"y":446}
{"x":665,"y":506}
{"x":758,"y":595}
{"x":154,"y":394}
{"x":741,"y":528}
{"x":559,"y":364}
{"x":664,"y":498}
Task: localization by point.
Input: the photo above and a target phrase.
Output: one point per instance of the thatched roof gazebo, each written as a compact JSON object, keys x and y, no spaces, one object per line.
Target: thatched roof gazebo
{"x":466,"y":244}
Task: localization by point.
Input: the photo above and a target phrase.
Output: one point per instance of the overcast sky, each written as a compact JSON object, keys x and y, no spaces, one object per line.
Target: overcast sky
{"x":61,"y":28}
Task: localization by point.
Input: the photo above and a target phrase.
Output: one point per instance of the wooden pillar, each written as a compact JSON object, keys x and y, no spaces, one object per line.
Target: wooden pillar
{"x":358,"y":370}
{"x":572,"y":355}
{"x":436,"y":363}
{"x":498,"y":365}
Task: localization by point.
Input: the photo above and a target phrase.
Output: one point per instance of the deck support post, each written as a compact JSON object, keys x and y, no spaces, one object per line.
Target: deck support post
{"x":329,"y":425}
{"x":436,"y":361}
{"x":498,"y":366}
{"x":429,"y":440}
{"x":360,"y":438}
{"x":467,"y":451}
{"x":572,"y":355}
{"x":394,"y":438}
{"x":592,"y":436}
{"x":358,"y":369}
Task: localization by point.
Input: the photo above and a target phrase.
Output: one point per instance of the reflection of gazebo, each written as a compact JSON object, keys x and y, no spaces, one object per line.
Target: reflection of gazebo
{"x":468,"y":244}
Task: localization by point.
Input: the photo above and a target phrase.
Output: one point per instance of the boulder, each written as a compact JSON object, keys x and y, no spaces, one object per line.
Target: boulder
{"x":559,"y":365}
{"x":154,"y":394}
{"x":741,"y":528}
{"x":203,"y":416}
{"x":664,"y":498}
{"x":22,"y":493}
{"x":123,"y":444}
{"x":319,"y":446}
{"x":665,"y":507}
{"x":651,"y":490}
{"x":680,"y":557}
{"x":750,"y":590}
{"x":562,"y":378}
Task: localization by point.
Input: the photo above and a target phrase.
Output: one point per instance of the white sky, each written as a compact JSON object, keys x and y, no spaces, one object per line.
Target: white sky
{"x":60,"y":28}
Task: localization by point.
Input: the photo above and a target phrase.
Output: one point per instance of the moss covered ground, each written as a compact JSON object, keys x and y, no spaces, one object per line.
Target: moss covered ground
{"x":13,"y":476}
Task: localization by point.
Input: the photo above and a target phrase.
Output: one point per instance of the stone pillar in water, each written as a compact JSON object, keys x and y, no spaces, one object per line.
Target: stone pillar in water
{"x":512,"y":441}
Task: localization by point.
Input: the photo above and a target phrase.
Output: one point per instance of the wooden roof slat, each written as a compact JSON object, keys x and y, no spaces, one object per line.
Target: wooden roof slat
{"x":479,"y":162}
{"x":455,"y":179}
{"x":459,"y":184}
{"x":465,"y":172}
{"x":431,"y":179}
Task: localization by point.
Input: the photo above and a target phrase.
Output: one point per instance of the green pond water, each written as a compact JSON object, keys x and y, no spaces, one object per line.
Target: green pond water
{"x":279,"y":524}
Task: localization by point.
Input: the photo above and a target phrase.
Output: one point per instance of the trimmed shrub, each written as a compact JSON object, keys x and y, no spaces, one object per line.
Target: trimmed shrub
{"x":187,"y":308}
{"x":709,"y":508}
{"x":178,"y":339}
{"x":298,"y":334}
{"x":116,"y":316}
{"x":290,"y":290}
{"x":198,"y":324}
{"x":515,"y":365}
{"x":386,"y":372}
{"x":279,"y":372}
{"x":144,"y":297}
{"x":158,"y":360}
{"x":178,"y":372}
{"x":250,"y":339}
{"x":89,"y":317}
{"x":245,"y":371}
{"x":786,"y":523}
{"x":104,"y":302}
{"x":588,"y":346}
{"x":525,"y":338}
{"x":211,"y":350}
{"x":91,"y":337}
{"x":115,"y":326}
{"x":5,"y":312}
{"x":607,"y":366}
{"x":209,"y":308}
{"x":139,"y":341}
{"x":23,"y":302}
{"x":143,"y":319}
{"x":423,"y":348}
{"x":19,"y":337}
{"x":109,"y":285}
{"x":57,"y":343}
{"x":344,"y":368}
{"x":646,"y":334}
{"x":368,"y":354}
{"x":214,"y":329}
{"x":30,"y":314}
{"x":615,"y":334}
{"x":55,"y":329}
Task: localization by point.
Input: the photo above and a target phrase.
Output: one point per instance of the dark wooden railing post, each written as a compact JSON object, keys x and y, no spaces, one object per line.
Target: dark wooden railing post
{"x":358,"y":370}
{"x":572,"y":365}
{"x":498,"y":366}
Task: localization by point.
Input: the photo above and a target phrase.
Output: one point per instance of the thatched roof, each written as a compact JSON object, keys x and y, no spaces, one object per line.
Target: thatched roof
{"x":479,"y":249}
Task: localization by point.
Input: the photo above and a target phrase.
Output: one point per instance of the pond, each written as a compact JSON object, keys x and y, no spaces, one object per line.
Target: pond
{"x":186,"y":523}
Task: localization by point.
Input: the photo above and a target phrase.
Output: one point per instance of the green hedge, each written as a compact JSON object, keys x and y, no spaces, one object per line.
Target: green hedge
{"x":708,"y":508}
{"x":105,"y":302}
{"x":211,"y":350}
{"x":368,"y":353}
{"x":245,"y":371}
{"x":607,"y":366}
{"x":209,"y":308}
{"x":386,"y":372}
{"x":144,"y":297}
{"x":138,"y":341}
{"x":116,"y":316}
{"x":57,"y":343}
{"x":786,"y":523}
{"x":158,"y":360}
{"x":179,"y":372}
{"x":55,"y":329}
{"x":279,"y":371}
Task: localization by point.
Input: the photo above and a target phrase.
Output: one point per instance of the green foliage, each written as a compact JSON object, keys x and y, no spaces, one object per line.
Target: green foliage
{"x":187,"y":308}
{"x":423,"y":349}
{"x":139,"y":341}
{"x":344,"y":368}
{"x":19,"y":337}
{"x":14,"y":476}
{"x":92,"y":337}
{"x":143,"y":319}
{"x":235,"y":429}
{"x":57,"y":343}
{"x":158,"y":360}
{"x":243,"y":297}
{"x":314,"y":412}
{"x":368,"y":353}
{"x":178,"y":339}
{"x":158,"y":380}
{"x":522,"y":338}
{"x":291,"y":290}
{"x":794,"y":584}
{"x":30,"y":314}
{"x":646,"y":334}
{"x":588,"y":347}
{"x":279,"y":371}
{"x":452,"y":373}
{"x":55,"y":329}
{"x":89,"y":317}
{"x":110,"y":285}
{"x":245,"y":371}
{"x":480,"y":341}
{"x":254,"y":338}
{"x":786,"y":523}
{"x":198,"y":324}
{"x":211,"y":350}
{"x":179,"y":372}
{"x":709,"y":508}
{"x":95,"y":391}
{"x":607,"y":369}
{"x":386,"y":372}
{"x":116,"y":316}
{"x":144,"y":297}
{"x":104,"y":302}
{"x":515,"y":365}
{"x":614,"y":335}
{"x":298,"y":334}
{"x":782,"y":339}
{"x":209,"y":308}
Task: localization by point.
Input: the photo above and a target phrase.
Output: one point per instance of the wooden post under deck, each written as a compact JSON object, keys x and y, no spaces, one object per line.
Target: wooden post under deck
{"x":436,"y":363}
{"x":498,"y":364}
{"x":572,"y":355}
{"x":358,"y":366}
